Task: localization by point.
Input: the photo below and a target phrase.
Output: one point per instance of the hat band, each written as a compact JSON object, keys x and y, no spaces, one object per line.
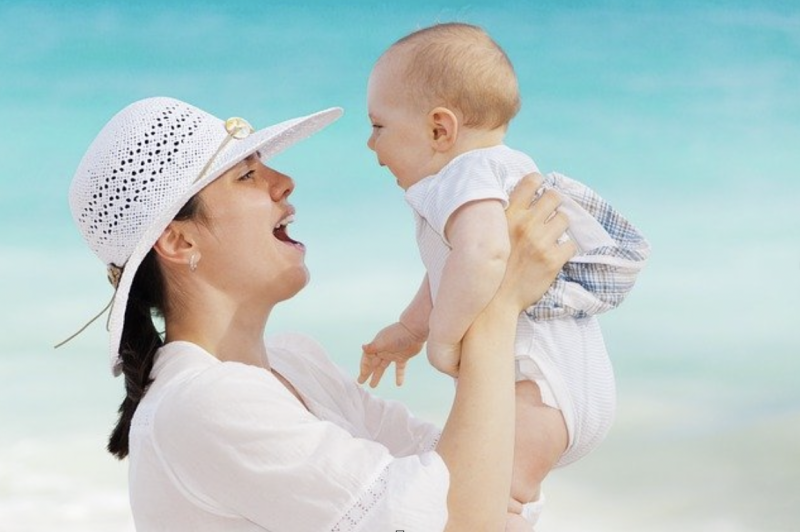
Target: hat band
{"x":114,"y":274}
{"x":79,"y":331}
{"x":236,"y":128}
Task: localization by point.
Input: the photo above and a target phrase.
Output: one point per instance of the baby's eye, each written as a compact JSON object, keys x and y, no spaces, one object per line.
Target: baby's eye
{"x":376,"y":126}
{"x":248,"y":175}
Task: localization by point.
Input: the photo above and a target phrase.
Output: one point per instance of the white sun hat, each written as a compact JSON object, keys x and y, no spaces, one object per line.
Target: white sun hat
{"x":143,"y":167}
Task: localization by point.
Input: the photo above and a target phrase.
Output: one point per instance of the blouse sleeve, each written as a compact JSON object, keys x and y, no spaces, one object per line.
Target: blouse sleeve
{"x":391,"y":424}
{"x":238,"y":443}
{"x":384,"y":421}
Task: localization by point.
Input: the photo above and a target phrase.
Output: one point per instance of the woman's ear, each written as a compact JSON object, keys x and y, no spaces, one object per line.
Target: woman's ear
{"x":177,"y":244}
{"x":443,"y":125}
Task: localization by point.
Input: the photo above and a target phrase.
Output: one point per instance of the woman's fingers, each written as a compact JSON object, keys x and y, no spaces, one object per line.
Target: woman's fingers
{"x":525,"y":208}
{"x":525,"y":192}
{"x":546,"y":205}
{"x":539,"y":223}
{"x":556,"y":227}
{"x":538,"y":247}
{"x":567,"y":250}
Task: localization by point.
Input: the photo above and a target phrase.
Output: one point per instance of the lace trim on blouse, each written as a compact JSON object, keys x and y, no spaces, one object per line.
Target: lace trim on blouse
{"x":356,"y":514}
{"x":432,"y":444}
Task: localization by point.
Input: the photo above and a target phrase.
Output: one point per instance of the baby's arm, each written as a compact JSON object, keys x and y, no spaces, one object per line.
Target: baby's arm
{"x":399,"y":341}
{"x":418,"y":313}
{"x":478,"y":235}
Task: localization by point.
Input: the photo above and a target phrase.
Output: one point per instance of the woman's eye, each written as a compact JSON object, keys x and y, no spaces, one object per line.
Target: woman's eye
{"x":248,"y":175}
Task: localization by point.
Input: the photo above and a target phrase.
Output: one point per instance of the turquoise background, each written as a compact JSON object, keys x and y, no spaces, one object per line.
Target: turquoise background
{"x":685,"y":115}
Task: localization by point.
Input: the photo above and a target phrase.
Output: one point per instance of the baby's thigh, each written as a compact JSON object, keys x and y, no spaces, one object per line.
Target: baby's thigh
{"x":541,"y":438}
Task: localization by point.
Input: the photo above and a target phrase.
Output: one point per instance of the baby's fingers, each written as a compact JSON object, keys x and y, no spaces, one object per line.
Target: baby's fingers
{"x":368,"y":363}
{"x":378,"y":371}
{"x":365,"y":368}
{"x":399,"y":373}
{"x":370,"y":348}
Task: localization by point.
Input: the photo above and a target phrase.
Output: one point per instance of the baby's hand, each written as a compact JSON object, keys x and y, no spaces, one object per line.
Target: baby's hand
{"x":444,"y":357}
{"x":395,"y":343}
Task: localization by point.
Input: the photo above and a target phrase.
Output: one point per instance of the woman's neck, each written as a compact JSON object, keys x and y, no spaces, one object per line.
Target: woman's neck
{"x":227,"y":331}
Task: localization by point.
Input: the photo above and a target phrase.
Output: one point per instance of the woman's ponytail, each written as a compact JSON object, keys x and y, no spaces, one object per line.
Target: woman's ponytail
{"x":138,"y":346}
{"x":140,"y":339}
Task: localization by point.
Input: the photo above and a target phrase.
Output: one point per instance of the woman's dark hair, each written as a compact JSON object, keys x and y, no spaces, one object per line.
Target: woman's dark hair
{"x":140,"y":338}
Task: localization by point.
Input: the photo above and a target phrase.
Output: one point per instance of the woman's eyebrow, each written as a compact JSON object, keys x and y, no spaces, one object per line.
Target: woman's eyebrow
{"x":243,"y":164}
{"x":250,"y":159}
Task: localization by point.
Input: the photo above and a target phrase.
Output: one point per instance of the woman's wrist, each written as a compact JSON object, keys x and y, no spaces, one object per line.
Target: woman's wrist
{"x":494,"y":331}
{"x":498,"y":313}
{"x":506,"y":304}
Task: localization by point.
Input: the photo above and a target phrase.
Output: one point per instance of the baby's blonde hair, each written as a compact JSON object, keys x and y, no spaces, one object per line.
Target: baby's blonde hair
{"x":459,"y":66}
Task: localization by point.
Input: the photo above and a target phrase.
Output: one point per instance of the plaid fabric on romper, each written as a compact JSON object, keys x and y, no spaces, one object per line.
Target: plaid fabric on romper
{"x":599,"y":279}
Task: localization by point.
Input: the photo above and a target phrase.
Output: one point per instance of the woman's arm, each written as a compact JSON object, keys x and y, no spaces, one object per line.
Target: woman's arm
{"x":478,"y":437}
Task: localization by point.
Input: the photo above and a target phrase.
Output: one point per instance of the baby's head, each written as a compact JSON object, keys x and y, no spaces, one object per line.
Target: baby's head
{"x":436,"y":93}
{"x":460,"y":67}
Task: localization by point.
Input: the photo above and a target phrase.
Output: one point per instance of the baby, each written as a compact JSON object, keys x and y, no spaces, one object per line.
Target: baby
{"x":440,"y":101}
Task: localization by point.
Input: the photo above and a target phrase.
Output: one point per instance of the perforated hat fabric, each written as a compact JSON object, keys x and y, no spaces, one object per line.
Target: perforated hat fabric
{"x":144,"y":166}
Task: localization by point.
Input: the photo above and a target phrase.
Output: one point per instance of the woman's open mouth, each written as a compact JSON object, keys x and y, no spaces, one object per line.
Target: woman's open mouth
{"x":281,"y":233}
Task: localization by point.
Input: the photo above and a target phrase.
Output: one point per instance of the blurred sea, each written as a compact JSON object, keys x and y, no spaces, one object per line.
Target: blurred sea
{"x":685,"y":115}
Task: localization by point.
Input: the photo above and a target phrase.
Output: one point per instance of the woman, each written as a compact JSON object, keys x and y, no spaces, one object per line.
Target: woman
{"x":225,"y":432}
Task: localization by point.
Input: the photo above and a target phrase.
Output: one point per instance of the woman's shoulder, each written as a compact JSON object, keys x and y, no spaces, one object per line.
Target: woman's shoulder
{"x":299,"y":351}
{"x":193,"y":385}
{"x":305,"y":362}
{"x":296,"y":343}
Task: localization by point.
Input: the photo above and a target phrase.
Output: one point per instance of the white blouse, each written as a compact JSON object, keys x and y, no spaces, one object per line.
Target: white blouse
{"x":225,"y":446}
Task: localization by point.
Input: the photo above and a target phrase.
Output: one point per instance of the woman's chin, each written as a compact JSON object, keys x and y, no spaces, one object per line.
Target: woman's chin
{"x":306,"y":279}
{"x":291,"y":283}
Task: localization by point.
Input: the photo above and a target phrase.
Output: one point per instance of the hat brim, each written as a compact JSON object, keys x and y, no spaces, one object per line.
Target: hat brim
{"x":267,"y":142}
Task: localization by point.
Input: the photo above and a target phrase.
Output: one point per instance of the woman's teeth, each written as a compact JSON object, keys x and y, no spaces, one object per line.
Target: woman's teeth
{"x":280,"y":230}
{"x":285,"y":221}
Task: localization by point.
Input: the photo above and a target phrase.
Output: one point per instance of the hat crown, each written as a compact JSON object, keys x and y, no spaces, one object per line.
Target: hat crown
{"x":142,"y":161}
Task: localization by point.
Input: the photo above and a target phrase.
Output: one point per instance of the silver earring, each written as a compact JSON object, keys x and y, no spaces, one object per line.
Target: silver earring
{"x":193,"y":262}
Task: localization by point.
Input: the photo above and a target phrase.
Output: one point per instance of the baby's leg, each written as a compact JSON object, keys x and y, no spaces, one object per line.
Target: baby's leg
{"x":541,"y":438}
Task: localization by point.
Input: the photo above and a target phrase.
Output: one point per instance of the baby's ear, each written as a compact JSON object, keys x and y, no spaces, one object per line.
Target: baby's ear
{"x":443,"y":125}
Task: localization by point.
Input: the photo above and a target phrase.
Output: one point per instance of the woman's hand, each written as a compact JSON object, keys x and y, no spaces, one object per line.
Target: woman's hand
{"x":534,"y":227}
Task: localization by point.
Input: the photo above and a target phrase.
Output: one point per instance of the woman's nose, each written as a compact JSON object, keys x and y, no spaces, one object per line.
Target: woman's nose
{"x":280,"y":185}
